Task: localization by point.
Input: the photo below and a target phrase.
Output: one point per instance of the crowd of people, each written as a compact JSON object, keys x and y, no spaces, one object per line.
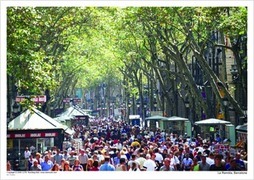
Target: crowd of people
{"x":110,"y":145}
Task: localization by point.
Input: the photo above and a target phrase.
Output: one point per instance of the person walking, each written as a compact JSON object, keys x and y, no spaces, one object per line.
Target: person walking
{"x":77,"y":166}
{"x":133,"y":160}
{"x":218,"y":166}
{"x":36,"y":166}
{"x":166,"y":165}
{"x":149,"y":164}
{"x":134,"y":167}
{"x":122,"y":165}
{"x":27,"y":154}
{"x":107,"y":166}
{"x":203,"y":165}
{"x":195,"y":166}
{"x":95,"y":166}
{"x":57,"y":157}
{"x":187,"y":161}
{"x":72,"y":158}
{"x":83,"y":158}
{"x":47,"y":164}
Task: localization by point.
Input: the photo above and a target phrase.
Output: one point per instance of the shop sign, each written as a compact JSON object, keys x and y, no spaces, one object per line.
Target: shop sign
{"x":75,"y":100}
{"x":81,"y":117}
{"x":36,"y":99}
{"x":31,"y":135}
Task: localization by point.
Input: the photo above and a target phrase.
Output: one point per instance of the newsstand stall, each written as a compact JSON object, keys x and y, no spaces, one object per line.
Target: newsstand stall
{"x":80,"y":120}
{"x":35,"y":140}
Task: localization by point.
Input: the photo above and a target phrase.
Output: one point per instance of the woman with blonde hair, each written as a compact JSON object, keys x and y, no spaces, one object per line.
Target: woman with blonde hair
{"x":89,"y":165}
{"x":38,"y":158}
{"x":67,"y":166}
{"x":77,"y":166}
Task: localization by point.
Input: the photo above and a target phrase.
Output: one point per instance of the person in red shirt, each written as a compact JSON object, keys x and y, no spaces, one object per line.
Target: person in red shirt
{"x":95,"y":166}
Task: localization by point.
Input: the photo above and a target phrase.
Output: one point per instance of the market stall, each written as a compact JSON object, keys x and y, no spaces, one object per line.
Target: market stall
{"x":32,"y":128}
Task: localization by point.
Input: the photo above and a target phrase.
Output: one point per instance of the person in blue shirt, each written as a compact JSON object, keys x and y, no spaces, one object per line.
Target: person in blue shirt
{"x":240,"y":162}
{"x":218,"y":138}
{"x":107,"y":166}
{"x":117,"y":159}
{"x":47,"y":164}
{"x":58,"y":157}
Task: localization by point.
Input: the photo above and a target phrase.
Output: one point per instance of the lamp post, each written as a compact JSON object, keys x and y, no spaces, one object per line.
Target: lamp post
{"x":243,"y":119}
{"x":123,"y":111}
{"x":129,"y":111}
{"x":15,"y":109}
{"x":187,"y":105}
{"x":102,"y":108}
{"x":225,"y":103}
{"x":113,"y":108}
{"x":138,"y":106}
{"x":145,"y":106}
{"x":155,"y":106}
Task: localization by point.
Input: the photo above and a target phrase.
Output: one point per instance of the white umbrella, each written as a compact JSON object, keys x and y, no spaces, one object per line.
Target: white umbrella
{"x":156,"y":118}
{"x":176,"y":118}
{"x":211,"y":121}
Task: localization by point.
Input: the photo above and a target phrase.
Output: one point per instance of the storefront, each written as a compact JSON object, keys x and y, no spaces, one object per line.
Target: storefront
{"x":210,"y":128}
{"x":41,"y":140}
{"x":80,"y":120}
{"x":35,"y":130}
{"x":35,"y":140}
{"x":176,"y":125}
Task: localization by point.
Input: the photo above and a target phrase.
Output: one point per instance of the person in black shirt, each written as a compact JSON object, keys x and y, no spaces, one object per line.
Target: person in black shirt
{"x":218,"y":166}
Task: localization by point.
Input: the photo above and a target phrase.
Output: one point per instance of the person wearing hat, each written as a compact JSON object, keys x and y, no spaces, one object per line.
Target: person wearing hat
{"x":203,"y":165}
{"x":218,"y":165}
{"x":72,"y":158}
{"x":38,"y":158}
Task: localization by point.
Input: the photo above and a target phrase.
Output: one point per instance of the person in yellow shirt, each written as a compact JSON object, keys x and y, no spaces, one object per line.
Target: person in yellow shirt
{"x":135,"y":143}
{"x":195,"y":165}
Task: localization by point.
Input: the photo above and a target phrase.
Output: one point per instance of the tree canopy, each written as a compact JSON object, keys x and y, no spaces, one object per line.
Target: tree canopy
{"x":58,"y":49}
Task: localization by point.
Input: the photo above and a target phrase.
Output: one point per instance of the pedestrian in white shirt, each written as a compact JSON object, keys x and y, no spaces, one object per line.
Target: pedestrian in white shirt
{"x":149,"y":164}
{"x":27,"y":154}
{"x":158,"y":157}
{"x":210,"y":159}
